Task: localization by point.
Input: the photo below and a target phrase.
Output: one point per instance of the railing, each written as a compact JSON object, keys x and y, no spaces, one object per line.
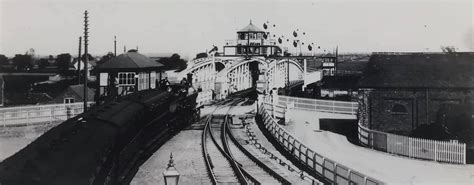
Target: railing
{"x":331,"y":170}
{"x":277,"y":110}
{"x":331,"y":106}
{"x":204,"y":98}
{"x":16,"y":116}
{"x":442,"y":151}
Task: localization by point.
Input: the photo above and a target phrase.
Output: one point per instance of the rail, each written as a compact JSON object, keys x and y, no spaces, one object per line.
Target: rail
{"x":245,"y":175}
{"x":441,"y":151}
{"x":330,"y":106}
{"x":234,"y":166}
{"x":254,"y":159}
{"x":329,"y":169}
{"x":23,"y":115}
{"x":205,"y":153}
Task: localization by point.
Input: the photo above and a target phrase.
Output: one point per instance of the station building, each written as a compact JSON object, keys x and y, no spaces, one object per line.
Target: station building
{"x":127,"y":73}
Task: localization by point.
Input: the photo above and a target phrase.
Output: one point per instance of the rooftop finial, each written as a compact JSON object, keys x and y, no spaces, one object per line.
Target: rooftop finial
{"x":250,"y":21}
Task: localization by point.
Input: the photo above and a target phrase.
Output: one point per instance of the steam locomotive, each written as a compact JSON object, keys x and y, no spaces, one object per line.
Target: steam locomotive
{"x":104,"y":145}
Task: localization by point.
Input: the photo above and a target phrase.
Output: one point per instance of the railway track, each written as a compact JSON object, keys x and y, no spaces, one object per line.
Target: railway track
{"x":227,"y":162}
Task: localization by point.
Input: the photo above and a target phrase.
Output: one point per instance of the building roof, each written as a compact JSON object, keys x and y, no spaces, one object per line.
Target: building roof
{"x":250,"y":28}
{"x":339,"y":82}
{"x":79,"y":90}
{"x":419,"y":70}
{"x":129,"y":61}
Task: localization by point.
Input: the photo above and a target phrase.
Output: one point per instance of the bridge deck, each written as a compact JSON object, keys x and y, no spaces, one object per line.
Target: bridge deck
{"x":379,"y":165}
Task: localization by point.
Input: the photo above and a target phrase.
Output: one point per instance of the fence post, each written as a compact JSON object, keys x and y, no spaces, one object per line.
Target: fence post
{"x":464,"y":153}
{"x":51,"y":115}
{"x":27,"y":117}
{"x":333,"y":107}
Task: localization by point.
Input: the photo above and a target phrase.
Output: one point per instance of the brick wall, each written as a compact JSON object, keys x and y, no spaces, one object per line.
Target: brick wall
{"x":421,"y":107}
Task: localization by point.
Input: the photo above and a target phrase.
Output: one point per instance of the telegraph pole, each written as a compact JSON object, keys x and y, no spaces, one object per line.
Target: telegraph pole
{"x":79,"y":61}
{"x":115,"y":45}
{"x":86,"y":53}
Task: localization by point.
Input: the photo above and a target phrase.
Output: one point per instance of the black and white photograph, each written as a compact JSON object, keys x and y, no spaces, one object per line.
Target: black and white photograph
{"x":201,"y":92}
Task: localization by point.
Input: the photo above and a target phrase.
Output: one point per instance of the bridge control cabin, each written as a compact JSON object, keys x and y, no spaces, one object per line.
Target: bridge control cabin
{"x":251,"y":41}
{"x":127,"y":73}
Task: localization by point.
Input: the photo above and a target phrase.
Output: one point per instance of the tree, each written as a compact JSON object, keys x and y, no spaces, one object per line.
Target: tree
{"x":201,"y":55}
{"x":448,"y":49}
{"x":106,"y":57}
{"x":174,"y":62}
{"x":83,"y":58}
{"x":3,"y":60}
{"x":63,"y":61}
{"x":22,"y":62}
{"x":42,"y":63}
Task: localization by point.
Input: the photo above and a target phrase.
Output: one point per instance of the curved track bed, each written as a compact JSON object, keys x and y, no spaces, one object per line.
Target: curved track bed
{"x":227,"y":162}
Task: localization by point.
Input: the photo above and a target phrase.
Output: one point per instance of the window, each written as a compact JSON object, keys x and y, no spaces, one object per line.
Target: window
{"x":143,"y":81}
{"x":152,"y":79}
{"x":126,"y":79}
{"x":103,"y":80}
{"x":69,"y":100}
{"x":241,"y":36}
{"x":399,"y":109}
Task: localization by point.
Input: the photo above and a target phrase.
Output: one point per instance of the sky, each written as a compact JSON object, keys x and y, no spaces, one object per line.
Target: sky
{"x":188,"y":27}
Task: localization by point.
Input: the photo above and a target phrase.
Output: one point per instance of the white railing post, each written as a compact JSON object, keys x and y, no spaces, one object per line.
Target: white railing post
{"x":333,"y":107}
{"x":51,"y":115}
{"x":27,"y":118}
{"x":464,"y":153}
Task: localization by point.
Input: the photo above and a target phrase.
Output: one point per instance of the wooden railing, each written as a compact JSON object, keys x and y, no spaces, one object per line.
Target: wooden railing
{"x":331,"y":170}
{"x":442,"y":151}
{"x":23,"y":115}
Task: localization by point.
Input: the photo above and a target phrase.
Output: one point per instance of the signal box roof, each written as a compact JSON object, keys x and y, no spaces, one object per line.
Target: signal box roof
{"x":131,"y":61}
{"x":250,"y":28}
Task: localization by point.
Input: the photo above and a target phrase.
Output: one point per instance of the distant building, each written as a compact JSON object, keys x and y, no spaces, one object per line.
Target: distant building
{"x":329,"y":64}
{"x":73,"y":94}
{"x":252,"y":41}
{"x":400,"y":92}
{"x":127,"y":73}
{"x":339,"y":86}
{"x":90,"y":66}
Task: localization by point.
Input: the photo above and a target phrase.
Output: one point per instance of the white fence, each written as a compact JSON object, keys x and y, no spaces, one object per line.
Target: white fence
{"x":442,"y":151}
{"x":204,"y":98}
{"x":331,"y":170}
{"x":331,"y":106}
{"x":23,"y":115}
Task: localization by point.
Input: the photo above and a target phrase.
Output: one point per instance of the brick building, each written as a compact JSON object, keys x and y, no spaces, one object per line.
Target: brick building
{"x":402,"y":91}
